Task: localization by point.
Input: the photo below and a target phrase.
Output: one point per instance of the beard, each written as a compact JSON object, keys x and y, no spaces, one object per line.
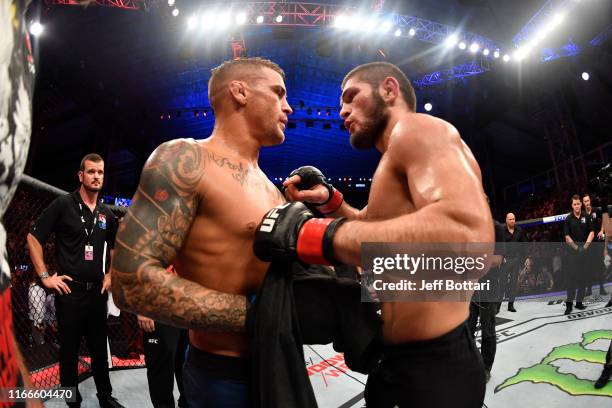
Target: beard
{"x":91,"y":188}
{"x":373,"y":126}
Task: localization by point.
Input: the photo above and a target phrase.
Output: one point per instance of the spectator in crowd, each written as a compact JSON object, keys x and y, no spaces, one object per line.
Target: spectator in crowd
{"x":557,"y":267}
{"x":50,"y":320}
{"x":36,"y":311}
{"x":545,"y":281}
{"x":526,"y":277}
{"x":41,"y":311}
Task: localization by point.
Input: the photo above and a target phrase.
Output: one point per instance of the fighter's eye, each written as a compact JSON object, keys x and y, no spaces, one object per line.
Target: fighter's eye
{"x":348,"y":97}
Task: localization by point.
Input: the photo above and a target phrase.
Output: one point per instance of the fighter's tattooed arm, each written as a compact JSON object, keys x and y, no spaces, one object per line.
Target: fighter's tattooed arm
{"x":154,"y":229}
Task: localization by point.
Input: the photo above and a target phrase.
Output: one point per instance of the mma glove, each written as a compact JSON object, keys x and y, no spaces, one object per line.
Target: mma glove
{"x":310,"y":177}
{"x":290,"y":232}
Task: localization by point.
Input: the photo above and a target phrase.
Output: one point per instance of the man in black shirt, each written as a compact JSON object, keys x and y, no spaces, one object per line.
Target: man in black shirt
{"x":164,"y":349}
{"x":596,"y":269}
{"x":485,"y":311}
{"x":514,"y":254}
{"x":578,"y":236}
{"x":84,"y":230}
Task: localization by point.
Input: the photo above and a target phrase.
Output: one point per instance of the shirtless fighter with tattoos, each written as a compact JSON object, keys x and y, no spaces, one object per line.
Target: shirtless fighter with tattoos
{"x":418,"y":194}
{"x":197,"y":206}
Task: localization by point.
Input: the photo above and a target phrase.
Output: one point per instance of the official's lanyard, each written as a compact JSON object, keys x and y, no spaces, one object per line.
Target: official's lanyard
{"x":88,"y":233}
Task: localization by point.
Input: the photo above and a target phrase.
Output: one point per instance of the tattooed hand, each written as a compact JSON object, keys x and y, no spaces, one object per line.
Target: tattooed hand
{"x":154,"y":229}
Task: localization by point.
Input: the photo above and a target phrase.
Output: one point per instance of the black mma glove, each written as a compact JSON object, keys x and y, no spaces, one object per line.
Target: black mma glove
{"x":290,"y":232}
{"x":310,"y":177}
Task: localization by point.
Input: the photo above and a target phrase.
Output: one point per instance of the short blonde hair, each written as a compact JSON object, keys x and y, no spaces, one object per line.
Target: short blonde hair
{"x":93,"y":157}
{"x":223,"y":72}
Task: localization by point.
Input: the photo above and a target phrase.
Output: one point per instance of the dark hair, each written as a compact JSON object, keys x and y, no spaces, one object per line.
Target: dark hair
{"x":221,"y":72}
{"x":576,"y":197}
{"x":94,"y":157}
{"x":375,"y":72}
{"x":586,"y":195}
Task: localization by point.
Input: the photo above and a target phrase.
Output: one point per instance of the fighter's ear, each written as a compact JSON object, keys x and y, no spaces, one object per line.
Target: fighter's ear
{"x":237,"y":90}
{"x":390,"y":89}
{"x":80,"y":174}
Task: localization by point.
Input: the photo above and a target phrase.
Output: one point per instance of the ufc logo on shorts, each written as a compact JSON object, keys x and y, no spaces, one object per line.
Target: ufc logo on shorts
{"x":268,"y":223}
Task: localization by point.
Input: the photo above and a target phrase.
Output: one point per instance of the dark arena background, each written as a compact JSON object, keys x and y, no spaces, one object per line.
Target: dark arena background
{"x":528,"y":84}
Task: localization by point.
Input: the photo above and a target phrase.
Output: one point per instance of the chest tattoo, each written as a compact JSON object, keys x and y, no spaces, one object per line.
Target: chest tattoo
{"x":245,"y":177}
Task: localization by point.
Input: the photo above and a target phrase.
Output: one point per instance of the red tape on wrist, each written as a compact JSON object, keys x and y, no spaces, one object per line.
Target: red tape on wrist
{"x":310,"y":241}
{"x":333,"y":204}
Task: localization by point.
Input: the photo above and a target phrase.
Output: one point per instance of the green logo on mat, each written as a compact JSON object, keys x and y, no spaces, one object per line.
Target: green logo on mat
{"x":545,"y":372}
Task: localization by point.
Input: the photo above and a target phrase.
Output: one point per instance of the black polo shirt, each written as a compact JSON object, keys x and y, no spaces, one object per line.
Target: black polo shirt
{"x":513,"y":248}
{"x":499,"y":228}
{"x":577,"y":228}
{"x":596,"y":221}
{"x":63,"y":217}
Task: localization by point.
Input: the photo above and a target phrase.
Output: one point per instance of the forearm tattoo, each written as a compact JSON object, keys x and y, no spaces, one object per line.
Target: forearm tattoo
{"x":154,"y":229}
